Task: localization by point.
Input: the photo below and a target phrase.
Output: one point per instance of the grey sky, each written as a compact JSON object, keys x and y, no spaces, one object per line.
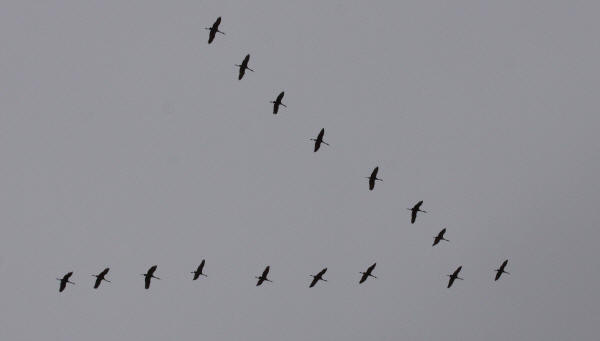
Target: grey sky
{"x":127,"y":141}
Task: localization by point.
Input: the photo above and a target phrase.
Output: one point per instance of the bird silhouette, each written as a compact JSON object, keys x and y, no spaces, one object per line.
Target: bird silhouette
{"x":243,"y":67}
{"x":318,"y":277}
{"x":263,"y":277}
{"x":319,"y":140}
{"x":454,"y":276}
{"x":64,"y":280}
{"x":373,"y":178}
{"x":148,"y":276}
{"x":439,"y":237}
{"x":501,"y":271}
{"x":100,"y":278}
{"x":415,"y":209}
{"x":214,"y":29}
{"x":367,"y":274}
{"x":277,"y":102}
{"x":198,"y":271}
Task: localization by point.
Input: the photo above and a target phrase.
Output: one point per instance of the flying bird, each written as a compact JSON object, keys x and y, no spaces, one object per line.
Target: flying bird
{"x":277,"y":102}
{"x":318,"y":277}
{"x":454,"y":276}
{"x":149,"y":275}
{"x":319,"y":140}
{"x":199,"y":270}
{"x":64,"y":280}
{"x":367,"y":273}
{"x":415,"y":209}
{"x":263,"y":277}
{"x":501,"y":271}
{"x":100,"y":278}
{"x":439,"y":237}
{"x":373,"y":177}
{"x":213,"y":30}
{"x":244,"y":66}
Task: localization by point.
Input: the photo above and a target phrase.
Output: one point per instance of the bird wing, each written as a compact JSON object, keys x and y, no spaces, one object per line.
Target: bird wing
{"x":504,"y":264}
{"x":201,"y":267}
{"x":363,"y":278}
{"x":451,"y":281}
{"x":275,"y":107}
{"x":374,"y":173}
{"x":442,"y":232}
{"x":217,"y":22}
{"x":151,"y":270}
{"x":413,"y":216}
{"x":418,"y":205}
{"x":498,"y":274}
{"x":246,"y":59}
{"x":371,"y":183}
{"x":62,"y":286}
{"x":147,"y":282}
{"x":104,"y":272}
{"x":370,"y":269}
{"x":242,"y":72}
{"x":457,"y":271}
{"x":320,"y":274}
{"x":321,"y":134}
{"x":97,"y":283}
{"x":260,"y":281}
{"x":211,"y":35}
{"x":314,"y":281}
{"x":67,"y":276}
{"x":317,"y":145}
{"x":266,"y":271}
{"x":280,"y":97}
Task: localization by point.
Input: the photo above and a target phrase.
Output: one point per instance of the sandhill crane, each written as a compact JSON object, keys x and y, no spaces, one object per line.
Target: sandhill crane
{"x":64,"y":280}
{"x":148,"y":276}
{"x":263,"y":277}
{"x":318,"y":277}
{"x":277,"y":102}
{"x":244,"y":66}
{"x":501,"y":271}
{"x":373,"y":177}
{"x":100,"y":278}
{"x":214,"y":29}
{"x":439,"y":237}
{"x":367,"y":273}
{"x":319,"y":140}
{"x":454,"y":276}
{"x":415,"y":209}
{"x":198,"y":271}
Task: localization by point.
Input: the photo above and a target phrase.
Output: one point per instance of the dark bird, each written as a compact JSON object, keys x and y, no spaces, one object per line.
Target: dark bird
{"x":100,"y":278}
{"x":372,"y":178}
{"x":244,"y":66}
{"x":213,"y":30}
{"x":64,"y":280}
{"x":318,"y":277}
{"x":367,"y":273}
{"x":454,"y":276}
{"x":439,"y":237}
{"x":148,"y":276}
{"x":501,"y":271}
{"x":199,"y":270}
{"x":263,"y":277}
{"x":415,"y":209}
{"x":276,"y":103}
{"x":319,"y":140}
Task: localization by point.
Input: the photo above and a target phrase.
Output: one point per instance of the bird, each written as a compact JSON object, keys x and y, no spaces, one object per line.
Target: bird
{"x":149,"y":275}
{"x":244,"y":66}
{"x":373,"y":177}
{"x":198,"y":271}
{"x":319,"y":140}
{"x":454,"y":276}
{"x":367,"y":273}
{"x":64,"y":280}
{"x":213,"y":30}
{"x":263,"y":277}
{"x":276,"y":102}
{"x":318,"y":277}
{"x":500,"y":270}
{"x":415,"y":209}
{"x":439,"y":237}
{"x":100,"y":278}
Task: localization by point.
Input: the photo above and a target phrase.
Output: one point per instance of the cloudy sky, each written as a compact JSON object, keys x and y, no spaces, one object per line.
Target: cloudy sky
{"x":127,"y":141}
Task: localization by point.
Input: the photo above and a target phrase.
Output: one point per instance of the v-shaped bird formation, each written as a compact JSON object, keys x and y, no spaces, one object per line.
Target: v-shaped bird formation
{"x":318,"y":141}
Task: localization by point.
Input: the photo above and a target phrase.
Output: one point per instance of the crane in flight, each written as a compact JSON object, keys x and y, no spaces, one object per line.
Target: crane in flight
{"x":501,"y":271}
{"x":318,"y":277}
{"x":263,"y":277}
{"x":277,"y":102}
{"x":243,"y":67}
{"x":439,"y":237}
{"x":214,"y":29}
{"x":199,"y":270}
{"x":100,"y":278}
{"x":367,"y":273}
{"x":149,"y":275}
{"x":415,"y":209}
{"x":373,"y":178}
{"x":319,"y":140}
{"x":64,"y":280}
{"x":454,"y":276}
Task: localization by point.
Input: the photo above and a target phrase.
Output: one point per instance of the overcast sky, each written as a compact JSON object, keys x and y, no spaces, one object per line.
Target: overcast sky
{"x":127,"y":141}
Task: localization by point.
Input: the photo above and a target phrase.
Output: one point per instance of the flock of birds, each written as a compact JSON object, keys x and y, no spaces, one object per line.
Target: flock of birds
{"x":149,"y":275}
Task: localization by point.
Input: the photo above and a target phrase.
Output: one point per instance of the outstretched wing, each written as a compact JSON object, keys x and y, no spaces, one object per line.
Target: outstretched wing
{"x":147,"y":280}
{"x":320,"y":274}
{"x":242,"y":72}
{"x":314,"y":281}
{"x":451,"y":281}
{"x":280,"y":97}
{"x":266,"y":271}
{"x":97,"y":282}
{"x":413,"y":216}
